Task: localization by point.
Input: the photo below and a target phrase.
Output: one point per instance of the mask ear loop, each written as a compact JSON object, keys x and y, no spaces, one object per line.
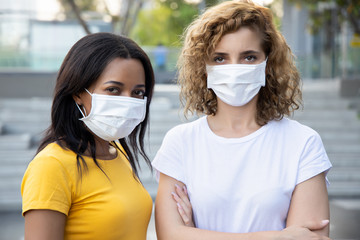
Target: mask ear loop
{"x":83,"y":107}
{"x":81,"y":111}
{"x":88,"y":91}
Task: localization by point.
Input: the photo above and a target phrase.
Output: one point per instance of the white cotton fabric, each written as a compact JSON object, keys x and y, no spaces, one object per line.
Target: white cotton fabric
{"x":243,"y":184}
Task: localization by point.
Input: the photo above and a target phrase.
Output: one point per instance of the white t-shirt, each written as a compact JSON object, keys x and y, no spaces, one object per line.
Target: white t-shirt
{"x":242,"y":184}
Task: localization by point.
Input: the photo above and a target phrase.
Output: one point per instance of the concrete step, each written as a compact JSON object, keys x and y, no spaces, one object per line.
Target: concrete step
{"x":164,"y":116}
{"x":311,"y":103}
{"x":160,"y":104}
{"x":156,"y":138}
{"x":10,"y":190}
{"x":7,"y":172}
{"x":161,"y":128}
{"x":26,"y":104}
{"x":344,"y":174}
{"x":15,"y":142}
{"x":344,"y":159}
{"x":8,"y":156}
{"x":342,"y":148}
{"x":340,"y":136}
{"x":344,"y":189}
{"x":342,"y":141}
{"x":10,"y":201}
{"x":35,"y":128}
{"x":11,"y":115}
{"x":332,"y":124}
{"x":325,"y":114}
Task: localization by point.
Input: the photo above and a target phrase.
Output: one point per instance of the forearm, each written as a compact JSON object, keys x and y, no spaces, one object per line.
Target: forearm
{"x":170,"y":225}
{"x":323,"y":232}
{"x":190,"y":233}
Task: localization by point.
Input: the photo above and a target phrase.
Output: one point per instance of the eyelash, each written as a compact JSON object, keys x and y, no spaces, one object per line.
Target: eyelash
{"x":254,"y":58}
{"x":139,"y":90}
{"x":250,"y":58}
{"x":216,"y":59}
{"x":111,"y":90}
{"x":136,"y":92}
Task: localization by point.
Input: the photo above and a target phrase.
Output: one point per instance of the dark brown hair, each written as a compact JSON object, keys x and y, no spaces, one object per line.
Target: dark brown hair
{"x":81,"y":67}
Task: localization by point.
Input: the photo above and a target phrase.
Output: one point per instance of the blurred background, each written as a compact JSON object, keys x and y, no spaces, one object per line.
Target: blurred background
{"x":35,"y":36}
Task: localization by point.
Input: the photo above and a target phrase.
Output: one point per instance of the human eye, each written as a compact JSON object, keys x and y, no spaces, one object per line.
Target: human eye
{"x":250,"y":58}
{"x":113,"y":90}
{"x":219,"y":59}
{"x":139,"y":93}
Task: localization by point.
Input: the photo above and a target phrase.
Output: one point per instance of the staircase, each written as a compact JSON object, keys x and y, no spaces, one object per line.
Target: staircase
{"x":22,"y":122}
{"x":339,"y":128}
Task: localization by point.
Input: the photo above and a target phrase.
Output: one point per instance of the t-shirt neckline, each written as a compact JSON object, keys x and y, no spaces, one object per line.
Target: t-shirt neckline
{"x":246,"y":138}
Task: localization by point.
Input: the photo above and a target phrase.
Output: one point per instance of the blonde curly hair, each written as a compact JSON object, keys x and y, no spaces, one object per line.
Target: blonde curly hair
{"x":281,"y":94}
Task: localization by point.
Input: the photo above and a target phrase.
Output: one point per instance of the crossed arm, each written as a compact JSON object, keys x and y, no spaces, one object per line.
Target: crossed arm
{"x":308,"y":209}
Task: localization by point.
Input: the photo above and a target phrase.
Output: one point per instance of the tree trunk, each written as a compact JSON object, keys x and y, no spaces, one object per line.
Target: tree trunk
{"x":132,"y":10}
{"x":126,"y":17}
{"x":78,"y":16}
{"x":130,"y":25}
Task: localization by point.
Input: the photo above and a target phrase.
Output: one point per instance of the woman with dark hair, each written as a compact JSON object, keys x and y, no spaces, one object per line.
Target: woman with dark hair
{"x":248,"y":170}
{"x":83,"y":183}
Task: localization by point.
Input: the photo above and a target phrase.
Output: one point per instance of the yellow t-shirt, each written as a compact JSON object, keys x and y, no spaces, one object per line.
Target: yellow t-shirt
{"x":96,"y":207}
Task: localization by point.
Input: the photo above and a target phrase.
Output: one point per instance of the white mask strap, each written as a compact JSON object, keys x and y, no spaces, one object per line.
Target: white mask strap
{"x":83,"y":108}
{"x":88,"y":91}
{"x":80,"y":110}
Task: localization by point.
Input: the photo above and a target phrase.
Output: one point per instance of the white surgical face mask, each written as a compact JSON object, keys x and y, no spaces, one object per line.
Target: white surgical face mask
{"x":236,"y":84}
{"x":114,"y":117}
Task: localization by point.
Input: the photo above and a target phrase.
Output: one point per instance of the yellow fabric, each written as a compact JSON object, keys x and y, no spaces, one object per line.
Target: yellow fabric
{"x":96,"y":207}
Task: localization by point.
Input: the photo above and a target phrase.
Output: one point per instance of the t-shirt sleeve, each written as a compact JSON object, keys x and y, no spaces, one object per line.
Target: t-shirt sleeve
{"x":46,"y":185}
{"x":169,"y":158}
{"x":313,"y":160}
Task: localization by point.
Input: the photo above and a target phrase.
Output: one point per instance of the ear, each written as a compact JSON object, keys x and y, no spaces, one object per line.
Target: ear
{"x":77,"y":99}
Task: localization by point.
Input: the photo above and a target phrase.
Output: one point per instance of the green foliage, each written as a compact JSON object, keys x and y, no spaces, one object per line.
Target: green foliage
{"x":83,"y":5}
{"x":276,"y":9}
{"x":322,"y":12}
{"x":164,"y":23}
{"x":209,"y":3}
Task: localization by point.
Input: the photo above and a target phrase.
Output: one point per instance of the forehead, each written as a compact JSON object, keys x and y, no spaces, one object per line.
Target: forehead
{"x":241,"y":40}
{"x":124,"y":70}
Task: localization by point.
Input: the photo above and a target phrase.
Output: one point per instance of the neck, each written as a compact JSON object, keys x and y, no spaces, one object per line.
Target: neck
{"x":104,"y":150}
{"x":231,"y":121}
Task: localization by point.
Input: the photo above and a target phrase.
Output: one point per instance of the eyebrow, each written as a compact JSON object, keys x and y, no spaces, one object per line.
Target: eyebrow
{"x":242,"y":53}
{"x":121,"y":84}
{"x":114,"y":82}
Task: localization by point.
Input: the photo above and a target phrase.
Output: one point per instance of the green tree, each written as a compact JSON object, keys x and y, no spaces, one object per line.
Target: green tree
{"x":322,"y":12}
{"x":164,"y":23}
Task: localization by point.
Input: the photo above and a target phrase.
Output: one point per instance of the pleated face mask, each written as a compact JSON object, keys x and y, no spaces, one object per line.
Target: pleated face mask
{"x":236,"y":84}
{"x":114,"y":117}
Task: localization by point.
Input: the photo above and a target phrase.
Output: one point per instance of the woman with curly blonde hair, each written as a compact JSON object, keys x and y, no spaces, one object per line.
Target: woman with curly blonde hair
{"x":243,"y":170}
